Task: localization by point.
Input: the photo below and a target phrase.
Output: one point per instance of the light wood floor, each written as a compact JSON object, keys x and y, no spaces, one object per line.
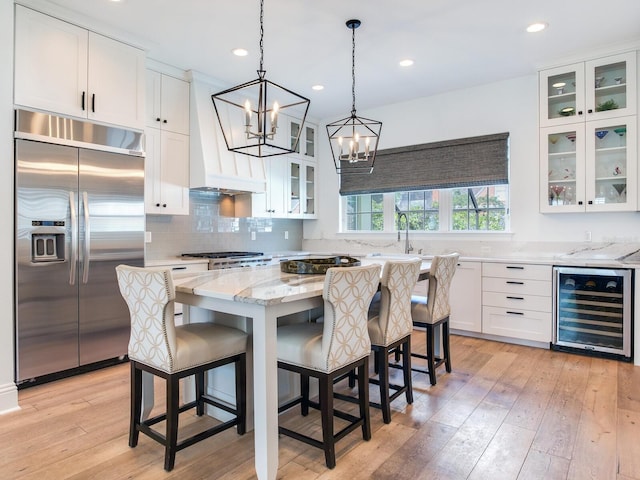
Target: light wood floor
{"x":505,"y":412}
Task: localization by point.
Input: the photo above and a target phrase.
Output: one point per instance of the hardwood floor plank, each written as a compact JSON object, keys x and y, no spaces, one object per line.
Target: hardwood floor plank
{"x":628,"y":433}
{"x":505,"y":454}
{"x":594,"y":454}
{"x":542,"y":466}
{"x":558,"y":429}
{"x":629,"y":386}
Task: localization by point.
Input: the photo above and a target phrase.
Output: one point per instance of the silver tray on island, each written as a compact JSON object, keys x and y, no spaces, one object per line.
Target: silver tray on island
{"x":317,"y":265}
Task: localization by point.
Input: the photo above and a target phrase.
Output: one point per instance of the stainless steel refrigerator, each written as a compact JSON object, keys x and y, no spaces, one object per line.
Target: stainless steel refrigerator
{"x":79,"y":213}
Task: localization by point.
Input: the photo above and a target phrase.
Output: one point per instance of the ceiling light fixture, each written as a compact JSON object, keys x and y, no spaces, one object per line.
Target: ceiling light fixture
{"x":406,"y":63}
{"x":248,"y":113}
{"x":240,"y":52}
{"x":317,"y":87}
{"x":354,"y":140}
{"x":536,"y":27}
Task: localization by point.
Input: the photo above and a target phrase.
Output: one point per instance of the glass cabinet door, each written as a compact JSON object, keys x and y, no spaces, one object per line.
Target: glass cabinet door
{"x":562,"y":95}
{"x":294,"y":131}
{"x":309,"y":141}
{"x":611,"y":86}
{"x":310,"y":184}
{"x":611,"y":168}
{"x":562,"y":169}
{"x":294,"y":188}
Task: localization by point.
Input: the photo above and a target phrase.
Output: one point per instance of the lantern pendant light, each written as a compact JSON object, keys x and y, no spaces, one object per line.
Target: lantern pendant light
{"x":354,"y":140}
{"x":251,"y":114}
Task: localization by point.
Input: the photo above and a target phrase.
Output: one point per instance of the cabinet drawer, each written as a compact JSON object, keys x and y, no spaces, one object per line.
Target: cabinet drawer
{"x":519,"y":287}
{"x":518,"y":302}
{"x":523,"y":324}
{"x":517,"y":271}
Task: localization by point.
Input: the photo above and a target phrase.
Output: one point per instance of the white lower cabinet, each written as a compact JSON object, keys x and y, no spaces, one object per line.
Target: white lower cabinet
{"x":517,"y":301}
{"x":466,"y":297}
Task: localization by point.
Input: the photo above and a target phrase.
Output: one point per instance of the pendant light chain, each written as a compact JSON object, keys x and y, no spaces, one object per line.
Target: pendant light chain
{"x":353,"y":70}
{"x":261,"y":72}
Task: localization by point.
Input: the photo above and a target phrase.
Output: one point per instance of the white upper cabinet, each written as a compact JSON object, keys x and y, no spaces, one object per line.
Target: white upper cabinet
{"x":307,"y":145}
{"x":167,"y":103}
{"x":593,"y":90}
{"x":65,"y":69}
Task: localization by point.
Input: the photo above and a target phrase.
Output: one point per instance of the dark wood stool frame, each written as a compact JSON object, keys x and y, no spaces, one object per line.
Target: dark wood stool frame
{"x":170,"y":438}
{"x":325,"y":405}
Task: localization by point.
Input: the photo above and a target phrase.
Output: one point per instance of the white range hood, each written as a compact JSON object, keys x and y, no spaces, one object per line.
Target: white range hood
{"x":212,"y":166}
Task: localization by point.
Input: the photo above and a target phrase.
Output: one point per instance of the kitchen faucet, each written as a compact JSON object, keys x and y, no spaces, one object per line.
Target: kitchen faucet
{"x":407,"y":246}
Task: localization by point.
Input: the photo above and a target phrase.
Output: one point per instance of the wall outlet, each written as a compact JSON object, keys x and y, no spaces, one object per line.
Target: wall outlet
{"x":147,"y":237}
{"x":253,"y":235}
{"x":587,"y":235}
{"x":286,"y":235}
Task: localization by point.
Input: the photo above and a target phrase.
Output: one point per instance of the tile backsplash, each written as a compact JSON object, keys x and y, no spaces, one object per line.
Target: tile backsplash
{"x":207,"y":229}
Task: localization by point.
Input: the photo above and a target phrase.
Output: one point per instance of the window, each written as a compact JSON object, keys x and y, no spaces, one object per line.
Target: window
{"x":456,"y":209}
{"x":479,"y":208}
{"x":364,"y":212}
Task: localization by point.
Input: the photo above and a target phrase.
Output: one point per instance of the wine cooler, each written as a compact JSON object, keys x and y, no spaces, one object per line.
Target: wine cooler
{"x":592,"y":311}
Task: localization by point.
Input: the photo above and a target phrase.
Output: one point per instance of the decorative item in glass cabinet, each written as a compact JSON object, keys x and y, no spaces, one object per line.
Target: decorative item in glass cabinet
{"x":559,"y":86}
{"x":553,"y":139}
{"x":557,"y":191}
{"x":354,"y":140}
{"x":567,"y":111}
{"x":620,"y":131}
{"x":601,"y":133}
{"x":618,"y":80}
{"x":236,"y":108}
{"x":621,"y":190}
{"x":571,"y":136}
{"x":599,"y":81}
{"x":608,"y":105}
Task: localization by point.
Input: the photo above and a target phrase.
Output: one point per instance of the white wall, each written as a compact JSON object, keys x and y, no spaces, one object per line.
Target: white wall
{"x":507,"y":106}
{"x":8,"y":392}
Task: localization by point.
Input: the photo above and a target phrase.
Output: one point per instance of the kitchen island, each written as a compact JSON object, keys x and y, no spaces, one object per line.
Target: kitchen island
{"x":261,"y":294}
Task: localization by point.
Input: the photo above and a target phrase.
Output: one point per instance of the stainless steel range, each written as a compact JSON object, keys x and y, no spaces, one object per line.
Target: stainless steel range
{"x":221,"y":260}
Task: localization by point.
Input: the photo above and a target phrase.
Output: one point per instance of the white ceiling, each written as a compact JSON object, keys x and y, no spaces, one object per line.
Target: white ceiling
{"x":455,"y":43}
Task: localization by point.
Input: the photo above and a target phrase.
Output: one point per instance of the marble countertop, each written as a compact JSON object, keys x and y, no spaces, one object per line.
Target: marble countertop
{"x":263,"y":285}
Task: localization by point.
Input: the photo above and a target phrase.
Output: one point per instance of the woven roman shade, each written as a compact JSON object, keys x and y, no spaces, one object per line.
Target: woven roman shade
{"x":464,"y":162}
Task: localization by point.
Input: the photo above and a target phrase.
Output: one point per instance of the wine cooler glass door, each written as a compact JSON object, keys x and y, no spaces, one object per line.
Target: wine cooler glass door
{"x":593,"y":310}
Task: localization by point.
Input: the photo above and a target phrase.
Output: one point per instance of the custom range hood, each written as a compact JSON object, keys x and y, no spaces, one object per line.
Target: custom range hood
{"x":212,"y":166}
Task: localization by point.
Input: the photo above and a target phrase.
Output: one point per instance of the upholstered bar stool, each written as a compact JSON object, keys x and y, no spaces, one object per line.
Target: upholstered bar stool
{"x":390,"y":327}
{"x":331,"y":349}
{"x":173,"y":352}
{"x":433,"y":310}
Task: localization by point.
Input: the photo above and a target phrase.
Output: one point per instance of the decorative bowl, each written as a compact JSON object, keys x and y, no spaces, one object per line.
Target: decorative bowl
{"x":567,"y":111}
{"x":553,"y":139}
{"x":620,"y":131}
{"x":317,"y":265}
{"x":601,"y":133}
{"x":599,"y":81}
{"x":571,"y":136}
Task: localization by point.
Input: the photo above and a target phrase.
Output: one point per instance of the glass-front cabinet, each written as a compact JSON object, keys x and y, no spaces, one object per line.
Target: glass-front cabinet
{"x":307,"y":144}
{"x":302,"y":187}
{"x":589,"y":166}
{"x":597,"y":89}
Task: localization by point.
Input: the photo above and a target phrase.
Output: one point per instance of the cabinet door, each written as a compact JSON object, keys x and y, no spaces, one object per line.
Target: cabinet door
{"x":611,"y":86}
{"x":295,"y":190}
{"x":277,"y":186}
{"x":562,"y":169}
{"x":309,"y":198}
{"x":166,"y":173}
{"x":175,"y":105}
{"x":561,"y":95}
{"x":116,"y":82}
{"x":611,"y":165}
{"x":153,"y":95}
{"x":50,"y":63}
{"x":309,"y":140}
{"x":466,"y":297}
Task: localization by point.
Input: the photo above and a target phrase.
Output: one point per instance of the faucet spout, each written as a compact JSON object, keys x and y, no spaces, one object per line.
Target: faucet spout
{"x":407,"y":246}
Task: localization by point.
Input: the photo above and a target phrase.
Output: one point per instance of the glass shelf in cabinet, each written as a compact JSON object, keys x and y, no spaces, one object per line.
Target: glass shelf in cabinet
{"x":559,"y":154}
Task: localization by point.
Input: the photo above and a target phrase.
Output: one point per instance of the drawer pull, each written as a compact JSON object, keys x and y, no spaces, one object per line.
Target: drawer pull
{"x":515,"y":268}
{"x":178,"y":268}
{"x":514,"y":283}
{"x":177,"y":314}
{"x":514,"y":313}
{"x":515,"y":298}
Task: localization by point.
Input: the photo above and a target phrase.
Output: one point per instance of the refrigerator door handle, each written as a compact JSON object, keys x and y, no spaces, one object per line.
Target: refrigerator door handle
{"x":87,"y":237}
{"x":74,"y":239}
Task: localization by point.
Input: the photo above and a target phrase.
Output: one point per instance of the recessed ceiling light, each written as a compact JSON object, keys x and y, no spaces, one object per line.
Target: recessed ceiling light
{"x":406,"y":62}
{"x":536,"y":27}
{"x":318,"y":87}
{"x":240,"y":52}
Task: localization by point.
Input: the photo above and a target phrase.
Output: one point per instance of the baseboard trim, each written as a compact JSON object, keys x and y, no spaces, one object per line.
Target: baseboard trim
{"x":8,"y":398}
